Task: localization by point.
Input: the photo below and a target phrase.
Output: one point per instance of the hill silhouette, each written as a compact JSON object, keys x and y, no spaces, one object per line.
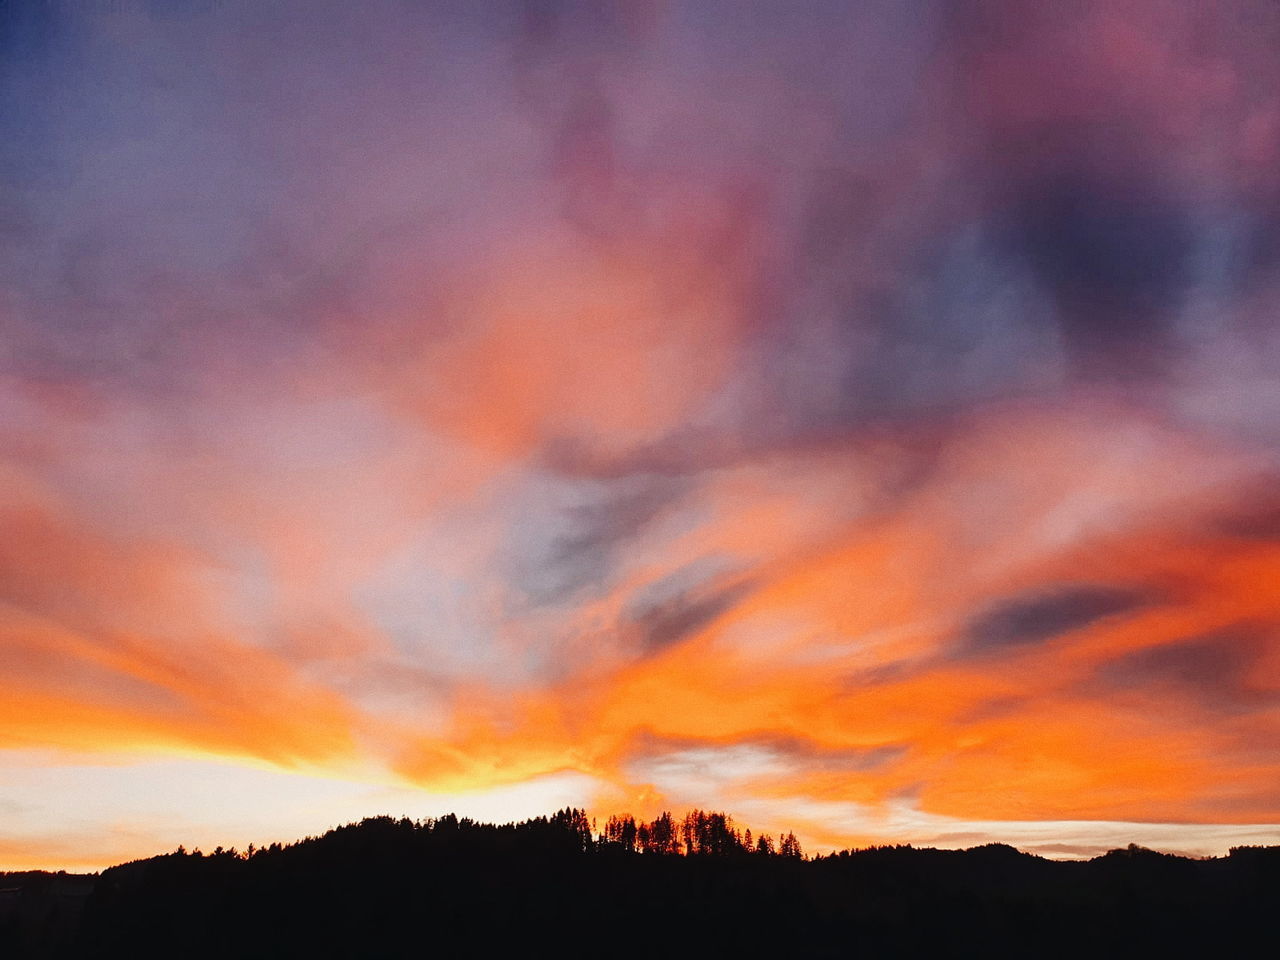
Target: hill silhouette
{"x":696,"y":886}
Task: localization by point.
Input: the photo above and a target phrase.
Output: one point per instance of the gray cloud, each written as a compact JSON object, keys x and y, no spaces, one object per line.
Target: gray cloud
{"x":1042,"y":615}
{"x":1211,"y":669}
{"x":669,"y":613}
{"x":574,"y":546}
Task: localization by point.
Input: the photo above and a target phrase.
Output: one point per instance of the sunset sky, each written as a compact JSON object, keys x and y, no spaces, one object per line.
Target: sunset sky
{"x":862,"y":418}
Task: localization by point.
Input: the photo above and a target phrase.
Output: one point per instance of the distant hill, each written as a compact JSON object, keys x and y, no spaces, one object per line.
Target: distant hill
{"x":552,"y":887}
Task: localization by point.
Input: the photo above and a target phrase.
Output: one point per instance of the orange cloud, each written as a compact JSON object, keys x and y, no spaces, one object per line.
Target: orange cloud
{"x":859,"y":646}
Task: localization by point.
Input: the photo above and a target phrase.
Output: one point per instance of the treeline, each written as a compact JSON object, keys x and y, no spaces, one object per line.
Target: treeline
{"x":700,"y":833}
{"x":697,"y":833}
{"x":694,"y":886}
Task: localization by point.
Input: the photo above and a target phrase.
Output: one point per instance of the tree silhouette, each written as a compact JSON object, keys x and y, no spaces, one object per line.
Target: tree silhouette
{"x":370,"y":888}
{"x":789,"y":846}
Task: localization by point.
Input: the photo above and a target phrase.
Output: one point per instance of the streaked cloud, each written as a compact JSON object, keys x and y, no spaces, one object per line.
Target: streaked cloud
{"x":858,"y":418}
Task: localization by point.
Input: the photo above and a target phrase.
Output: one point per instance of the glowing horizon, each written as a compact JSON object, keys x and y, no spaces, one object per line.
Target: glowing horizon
{"x":860,"y":420}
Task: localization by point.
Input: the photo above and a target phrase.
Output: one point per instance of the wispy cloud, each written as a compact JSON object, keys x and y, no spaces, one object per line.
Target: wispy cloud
{"x":864,"y":414}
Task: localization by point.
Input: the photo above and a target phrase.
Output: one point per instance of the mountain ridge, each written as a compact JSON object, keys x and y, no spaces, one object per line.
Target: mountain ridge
{"x":371,"y":887}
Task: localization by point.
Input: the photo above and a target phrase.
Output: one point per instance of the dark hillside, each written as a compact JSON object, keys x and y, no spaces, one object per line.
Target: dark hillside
{"x":450,"y":887}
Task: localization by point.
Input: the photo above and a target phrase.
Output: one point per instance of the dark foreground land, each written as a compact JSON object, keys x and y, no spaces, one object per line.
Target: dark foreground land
{"x":449,"y":887}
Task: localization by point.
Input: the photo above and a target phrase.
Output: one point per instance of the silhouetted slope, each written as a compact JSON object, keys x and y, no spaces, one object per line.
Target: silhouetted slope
{"x":449,"y":887}
{"x":40,"y":912}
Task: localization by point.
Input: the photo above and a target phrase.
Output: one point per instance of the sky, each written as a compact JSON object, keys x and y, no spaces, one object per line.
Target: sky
{"x":860,"y":418}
